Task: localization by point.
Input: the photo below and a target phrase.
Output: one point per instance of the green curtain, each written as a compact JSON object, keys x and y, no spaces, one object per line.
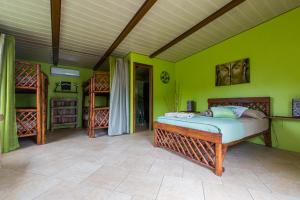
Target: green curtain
{"x":8,"y":126}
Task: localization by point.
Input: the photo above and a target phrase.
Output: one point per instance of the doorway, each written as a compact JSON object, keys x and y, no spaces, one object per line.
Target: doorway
{"x":143,"y":101}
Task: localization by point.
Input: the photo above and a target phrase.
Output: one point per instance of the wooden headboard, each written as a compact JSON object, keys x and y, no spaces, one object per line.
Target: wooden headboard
{"x":255,"y":103}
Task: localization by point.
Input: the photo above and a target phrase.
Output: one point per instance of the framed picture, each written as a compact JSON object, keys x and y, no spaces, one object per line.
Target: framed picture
{"x":296,"y":107}
{"x":223,"y":74}
{"x":232,"y":73}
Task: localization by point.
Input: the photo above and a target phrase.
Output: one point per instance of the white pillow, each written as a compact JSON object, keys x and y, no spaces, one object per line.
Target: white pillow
{"x":238,"y":110}
{"x":254,"y":114}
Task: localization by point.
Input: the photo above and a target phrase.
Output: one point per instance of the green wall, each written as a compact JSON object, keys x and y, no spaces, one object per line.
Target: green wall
{"x":24,"y":100}
{"x":161,"y":91}
{"x":274,"y":52}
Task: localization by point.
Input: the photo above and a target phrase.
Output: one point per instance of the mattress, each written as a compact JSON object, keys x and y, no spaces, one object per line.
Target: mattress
{"x":231,"y":129}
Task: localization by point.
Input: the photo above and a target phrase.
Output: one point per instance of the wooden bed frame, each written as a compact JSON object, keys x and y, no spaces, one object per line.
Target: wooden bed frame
{"x":98,"y":85}
{"x":32,"y":121}
{"x":203,"y":147}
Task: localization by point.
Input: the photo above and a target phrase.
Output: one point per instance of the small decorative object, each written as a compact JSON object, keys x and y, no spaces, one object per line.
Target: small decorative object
{"x":191,"y":106}
{"x":66,"y":86}
{"x":232,"y":73}
{"x":296,"y":107}
{"x":164,"y":77}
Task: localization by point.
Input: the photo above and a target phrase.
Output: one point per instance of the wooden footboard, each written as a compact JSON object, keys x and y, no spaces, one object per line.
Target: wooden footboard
{"x":201,"y":147}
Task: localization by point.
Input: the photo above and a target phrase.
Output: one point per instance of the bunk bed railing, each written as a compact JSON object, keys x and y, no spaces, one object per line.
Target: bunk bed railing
{"x":26,"y":75}
{"x":101,"y":117}
{"x":26,"y":122}
{"x":101,"y":82}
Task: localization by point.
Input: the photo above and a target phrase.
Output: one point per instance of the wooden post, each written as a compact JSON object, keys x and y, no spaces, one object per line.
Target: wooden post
{"x":38,"y":105}
{"x":43,"y":108}
{"x":92,"y":110}
{"x":268,"y":138}
{"x":82,"y":106}
{"x":89,"y":108}
{"x":219,"y":159}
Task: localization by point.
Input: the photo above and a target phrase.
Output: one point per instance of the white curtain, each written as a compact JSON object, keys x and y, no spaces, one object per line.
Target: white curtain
{"x":119,"y":100}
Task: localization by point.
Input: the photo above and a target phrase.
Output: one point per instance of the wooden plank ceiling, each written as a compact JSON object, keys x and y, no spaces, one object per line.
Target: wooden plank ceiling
{"x":89,"y":27}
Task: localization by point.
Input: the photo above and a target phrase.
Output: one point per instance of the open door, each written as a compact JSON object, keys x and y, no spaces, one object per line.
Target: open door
{"x":143,"y":101}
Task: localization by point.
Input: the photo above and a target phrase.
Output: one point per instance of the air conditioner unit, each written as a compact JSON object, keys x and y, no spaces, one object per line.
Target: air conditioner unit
{"x":55,"y":71}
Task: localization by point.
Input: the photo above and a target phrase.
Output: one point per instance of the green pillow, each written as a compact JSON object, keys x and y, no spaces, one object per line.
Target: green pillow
{"x":223,"y":112}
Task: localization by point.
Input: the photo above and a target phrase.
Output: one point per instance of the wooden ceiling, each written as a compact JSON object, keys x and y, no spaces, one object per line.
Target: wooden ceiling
{"x":89,"y":28}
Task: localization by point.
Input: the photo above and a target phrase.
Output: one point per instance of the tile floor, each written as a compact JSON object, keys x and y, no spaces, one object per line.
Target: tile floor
{"x":128,"y":167}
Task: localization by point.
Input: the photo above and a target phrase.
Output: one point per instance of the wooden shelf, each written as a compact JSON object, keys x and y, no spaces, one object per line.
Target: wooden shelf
{"x":64,"y":105}
{"x":65,"y":116}
{"x":284,"y":118}
{"x":65,"y":124}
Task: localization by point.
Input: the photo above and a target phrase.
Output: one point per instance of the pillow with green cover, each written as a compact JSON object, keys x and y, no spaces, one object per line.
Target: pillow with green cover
{"x":223,"y":112}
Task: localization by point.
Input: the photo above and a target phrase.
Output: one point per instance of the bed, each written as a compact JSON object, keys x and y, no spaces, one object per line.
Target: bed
{"x":31,"y":122}
{"x":96,"y":117}
{"x":205,"y":140}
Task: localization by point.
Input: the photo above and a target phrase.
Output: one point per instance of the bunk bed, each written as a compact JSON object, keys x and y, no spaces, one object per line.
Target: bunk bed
{"x":32,"y":121}
{"x":94,"y":116}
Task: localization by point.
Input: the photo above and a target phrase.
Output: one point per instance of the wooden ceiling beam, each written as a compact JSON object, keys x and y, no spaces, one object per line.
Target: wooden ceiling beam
{"x":132,"y":23}
{"x":55,"y":26}
{"x":198,"y":26}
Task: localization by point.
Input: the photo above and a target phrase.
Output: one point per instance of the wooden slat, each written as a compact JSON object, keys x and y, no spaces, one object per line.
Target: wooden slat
{"x":202,"y":135}
{"x":39,"y":106}
{"x":132,"y":23}
{"x":198,"y":26}
{"x":55,"y":23}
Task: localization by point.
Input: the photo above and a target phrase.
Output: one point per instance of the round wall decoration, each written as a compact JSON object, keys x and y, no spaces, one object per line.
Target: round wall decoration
{"x":164,"y":77}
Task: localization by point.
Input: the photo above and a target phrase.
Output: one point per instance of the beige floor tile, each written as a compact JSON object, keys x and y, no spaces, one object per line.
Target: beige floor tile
{"x":282,"y":185}
{"x":242,"y":162}
{"x":198,"y":172}
{"x":77,"y":172}
{"x":176,"y":188}
{"x":108,"y":177}
{"x":139,"y":197}
{"x":143,"y":185}
{"x":50,"y":168}
{"x":139,"y":150}
{"x":225,"y":192}
{"x":258,"y":195}
{"x":104,"y":194}
{"x":129,"y":166}
{"x":244,"y":178}
{"x":29,"y":189}
{"x":167,"y":168}
{"x":282,"y":170}
{"x":137,"y":163}
{"x":113,"y":158}
{"x":65,"y":191}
